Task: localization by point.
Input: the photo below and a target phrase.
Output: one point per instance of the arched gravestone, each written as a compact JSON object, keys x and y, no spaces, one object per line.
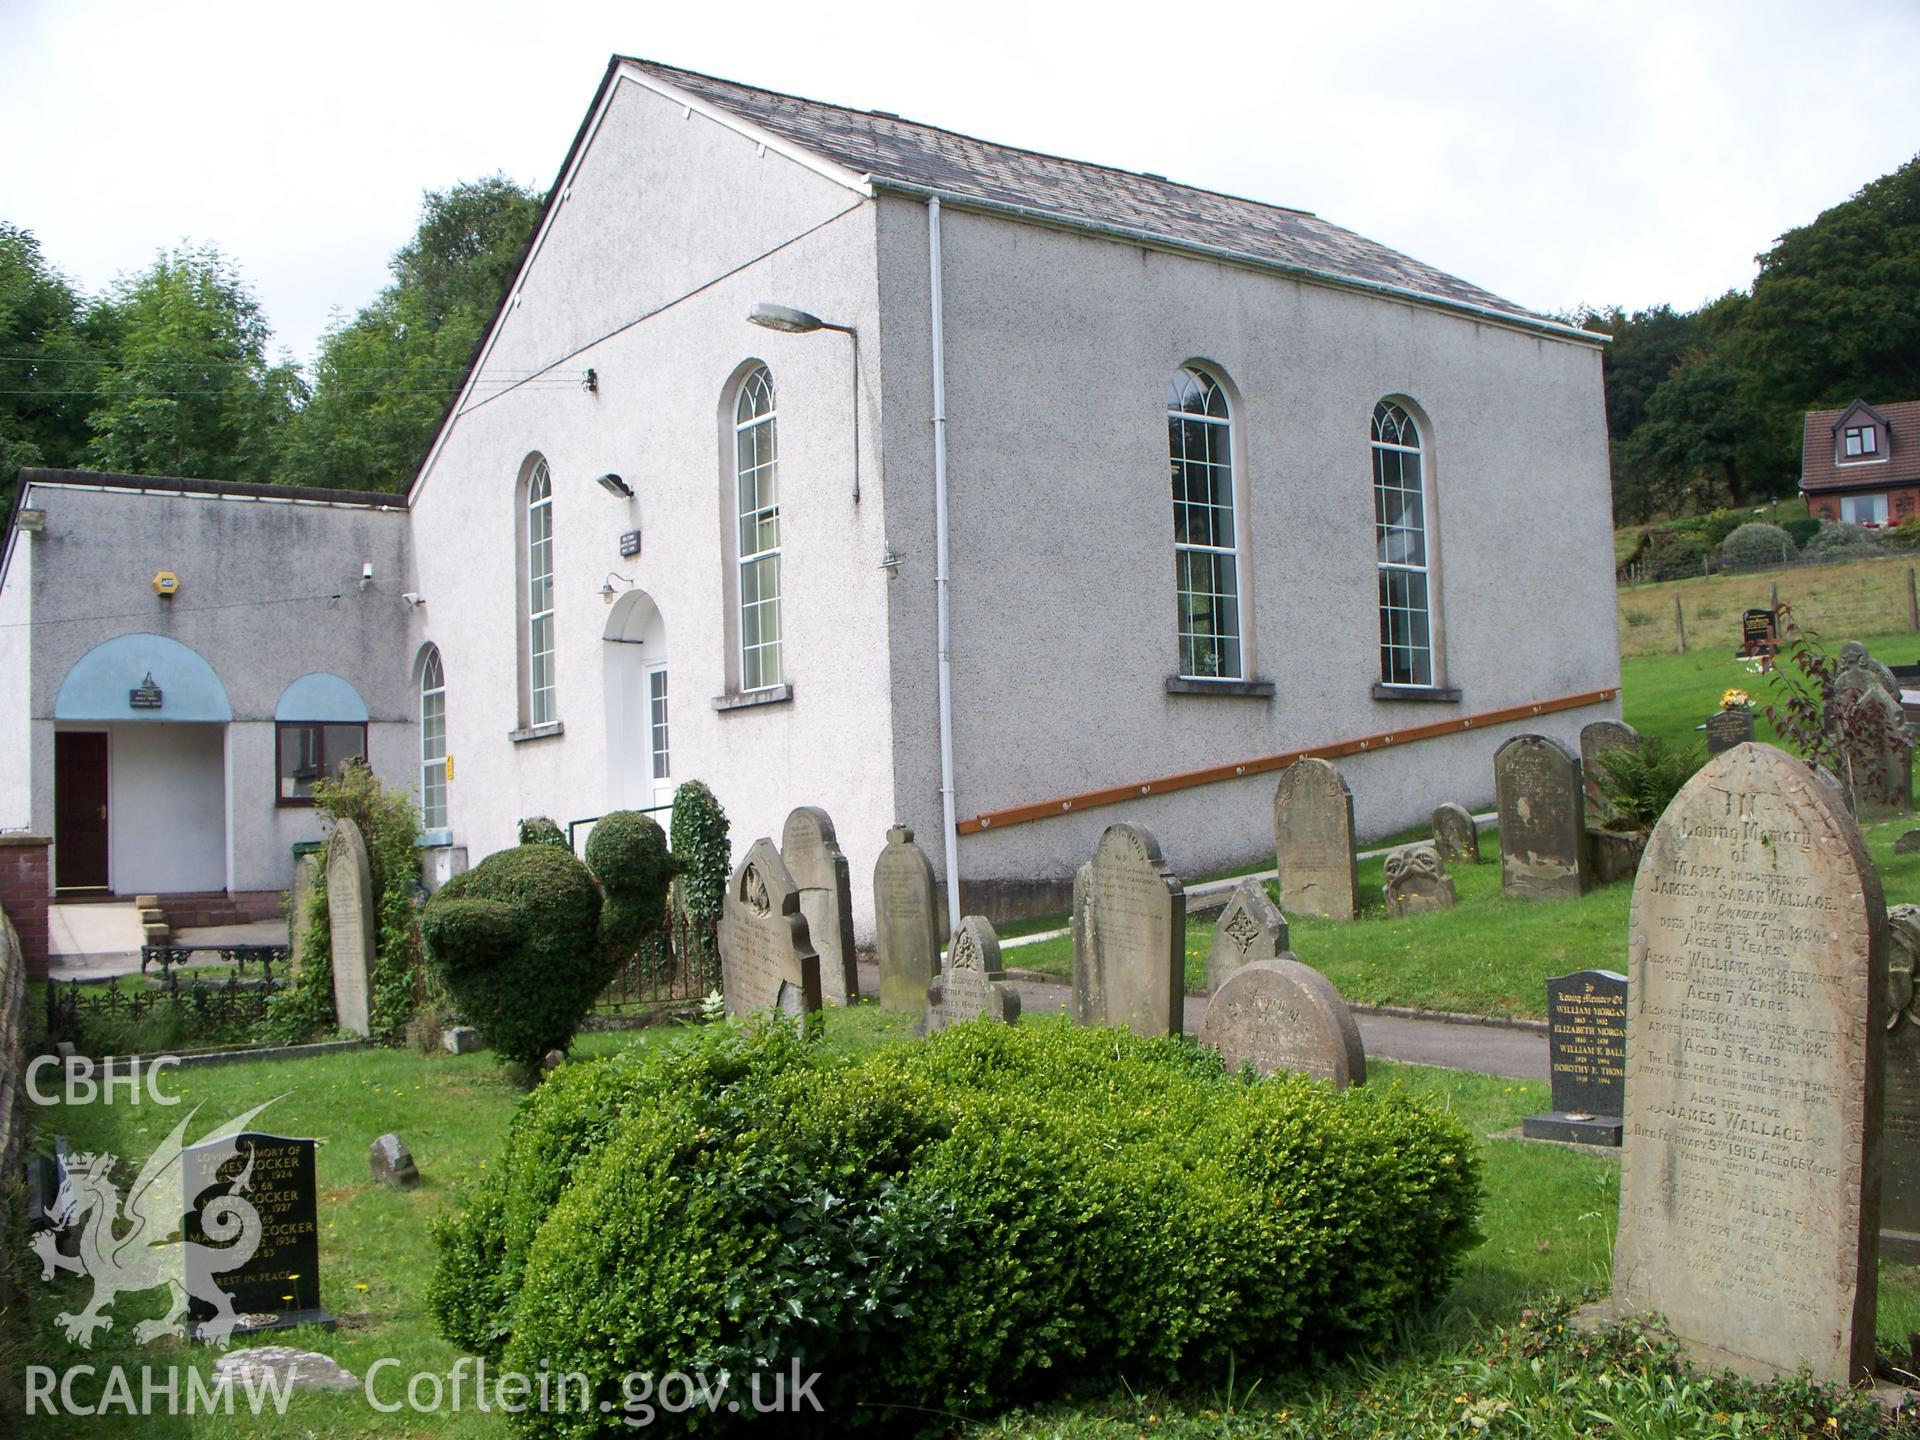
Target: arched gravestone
{"x":1313,"y":841}
{"x":1129,"y":936}
{"x":1900,"y":1189}
{"x":1542,"y":819}
{"x":767,"y":960}
{"x":350,"y":924}
{"x":1416,"y":880}
{"x":1251,"y":928}
{"x":1756,"y":1017}
{"x":1602,"y":737}
{"x":811,"y":853}
{"x":1455,"y":835}
{"x":906,"y":921}
{"x":1281,"y":1015}
{"x":971,"y":984}
{"x":1871,"y":732}
{"x":1855,"y":656}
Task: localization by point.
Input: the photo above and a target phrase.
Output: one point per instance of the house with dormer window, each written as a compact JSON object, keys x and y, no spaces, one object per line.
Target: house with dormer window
{"x":1861,"y":465}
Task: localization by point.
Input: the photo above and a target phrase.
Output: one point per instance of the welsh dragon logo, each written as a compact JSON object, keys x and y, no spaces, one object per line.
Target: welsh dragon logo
{"x":153,"y":1251}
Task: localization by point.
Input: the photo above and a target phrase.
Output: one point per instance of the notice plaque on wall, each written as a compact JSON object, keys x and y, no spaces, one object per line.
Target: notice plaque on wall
{"x":629,"y":543}
{"x":145,"y":695}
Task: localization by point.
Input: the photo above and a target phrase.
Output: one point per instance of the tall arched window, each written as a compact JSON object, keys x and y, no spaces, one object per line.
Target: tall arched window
{"x":541,"y":709}
{"x":433,"y":741}
{"x":1206,"y":568}
{"x":757,"y":476}
{"x":1400,"y":537}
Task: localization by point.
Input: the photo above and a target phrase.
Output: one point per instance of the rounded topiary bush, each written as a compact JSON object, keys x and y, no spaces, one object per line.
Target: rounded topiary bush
{"x":627,"y":852}
{"x":1758,"y":544}
{"x":700,"y":845}
{"x":944,"y":1227}
{"x":539,"y":830}
{"x":1839,"y":540}
{"x":516,"y":939}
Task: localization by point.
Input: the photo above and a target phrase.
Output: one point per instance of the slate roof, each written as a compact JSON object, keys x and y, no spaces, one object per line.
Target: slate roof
{"x":904,"y":151}
{"x":1819,"y":471}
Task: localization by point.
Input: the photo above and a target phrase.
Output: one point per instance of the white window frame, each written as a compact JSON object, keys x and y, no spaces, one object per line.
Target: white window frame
{"x":757,"y":545}
{"x":542,"y":696}
{"x":1403,"y":422}
{"x":1850,"y":509}
{"x":1226,"y":643}
{"x":433,"y":748}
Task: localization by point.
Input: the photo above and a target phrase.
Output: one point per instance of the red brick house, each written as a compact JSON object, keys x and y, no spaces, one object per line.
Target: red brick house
{"x":1862,"y":464}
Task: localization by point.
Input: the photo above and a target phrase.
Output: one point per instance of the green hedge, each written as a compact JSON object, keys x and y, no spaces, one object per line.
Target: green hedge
{"x":627,"y":852}
{"x":943,"y":1227}
{"x":1758,"y":544}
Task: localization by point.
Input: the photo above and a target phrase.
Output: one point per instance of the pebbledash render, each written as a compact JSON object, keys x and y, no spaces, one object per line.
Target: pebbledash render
{"x":654,"y":540}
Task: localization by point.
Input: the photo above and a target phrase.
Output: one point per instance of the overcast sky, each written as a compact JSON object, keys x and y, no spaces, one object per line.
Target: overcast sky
{"x":1558,"y":154}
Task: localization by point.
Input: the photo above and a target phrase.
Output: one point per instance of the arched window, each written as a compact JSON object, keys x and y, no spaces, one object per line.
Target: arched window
{"x":433,"y":741}
{"x":541,"y":709}
{"x":1400,"y":537}
{"x":756,"y":470}
{"x":1206,"y":566}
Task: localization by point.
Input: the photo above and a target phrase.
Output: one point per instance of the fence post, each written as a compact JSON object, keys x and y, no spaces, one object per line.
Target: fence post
{"x":1773,"y":597}
{"x":1913,"y":605}
{"x":1679,"y":626}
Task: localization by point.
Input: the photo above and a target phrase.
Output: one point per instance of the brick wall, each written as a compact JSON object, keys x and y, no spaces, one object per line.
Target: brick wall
{"x":24,"y":890}
{"x":13,"y":1055}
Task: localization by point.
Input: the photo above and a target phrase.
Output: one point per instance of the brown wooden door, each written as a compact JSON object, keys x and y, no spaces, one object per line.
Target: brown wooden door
{"x":80,"y":810}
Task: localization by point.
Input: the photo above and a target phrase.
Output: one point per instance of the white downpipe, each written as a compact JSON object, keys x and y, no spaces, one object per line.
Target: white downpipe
{"x":942,"y":579}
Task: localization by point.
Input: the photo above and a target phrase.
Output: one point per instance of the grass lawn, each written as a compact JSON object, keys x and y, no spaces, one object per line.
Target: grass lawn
{"x":1856,"y":600}
{"x":1549,"y":1220}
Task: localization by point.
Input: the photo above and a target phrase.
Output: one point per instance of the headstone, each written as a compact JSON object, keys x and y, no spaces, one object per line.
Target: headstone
{"x":1542,"y":819}
{"x":767,"y":958}
{"x":813,"y":858}
{"x":391,"y":1163}
{"x":906,"y":922}
{"x":1416,"y":880}
{"x":1728,"y":728}
{"x":1602,"y":737}
{"x":1757,"y":980}
{"x":971,"y":984}
{"x":1876,"y":747}
{"x":1900,"y":1182}
{"x":1313,"y":841}
{"x":1129,"y":936}
{"x":461,"y":1040}
{"x":257,"y":1194}
{"x":269,"y":1369}
{"x":1455,"y":835}
{"x":1282,"y":1015}
{"x":350,"y":919}
{"x":1908,"y":842}
{"x":1759,"y":633}
{"x":1250,"y":929}
{"x":1853,"y":656}
{"x":553,"y":1059}
{"x":309,"y":874}
{"x":1587,"y":1059}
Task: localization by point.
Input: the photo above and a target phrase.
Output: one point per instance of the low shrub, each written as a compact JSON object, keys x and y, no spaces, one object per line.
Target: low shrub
{"x":627,"y":853}
{"x":1839,"y":540}
{"x":1715,"y":528}
{"x":1676,"y":556}
{"x":941,"y":1227}
{"x":1903,"y":538}
{"x":1802,"y":529}
{"x":1638,"y":618}
{"x":1641,"y":780}
{"x":539,"y":830}
{"x":1757,"y":544}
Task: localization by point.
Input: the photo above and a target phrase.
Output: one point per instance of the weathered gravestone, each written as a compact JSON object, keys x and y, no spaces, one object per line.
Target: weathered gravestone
{"x":906,"y":924}
{"x":1587,"y":1059}
{"x":1129,"y":936}
{"x":1756,"y":1019}
{"x":1855,"y":656}
{"x":1416,"y":880}
{"x":971,"y":984}
{"x":1908,"y":842}
{"x":1900,"y":1185}
{"x":1455,"y":835}
{"x":390,"y":1162}
{"x":1728,"y":728}
{"x":350,"y":919}
{"x":1282,"y":1015}
{"x":1875,"y":748}
{"x":767,"y":959}
{"x":250,"y":1217}
{"x":309,"y":874}
{"x":1313,"y":841}
{"x":1542,"y":819}
{"x":813,"y":858}
{"x":1251,"y":928}
{"x":1602,"y":737}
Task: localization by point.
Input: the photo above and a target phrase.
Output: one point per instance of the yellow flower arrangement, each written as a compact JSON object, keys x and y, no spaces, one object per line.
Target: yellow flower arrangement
{"x":1736,"y":700}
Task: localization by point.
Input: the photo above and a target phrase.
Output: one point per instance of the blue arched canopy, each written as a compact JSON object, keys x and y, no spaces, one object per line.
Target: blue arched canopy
{"x":102,"y":682}
{"x":321,"y":696}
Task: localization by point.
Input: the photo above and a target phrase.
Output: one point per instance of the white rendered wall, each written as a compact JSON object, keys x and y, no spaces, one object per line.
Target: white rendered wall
{"x":16,"y":651}
{"x":166,"y":808}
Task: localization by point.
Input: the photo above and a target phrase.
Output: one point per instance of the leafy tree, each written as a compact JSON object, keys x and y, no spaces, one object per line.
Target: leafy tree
{"x":46,"y":370}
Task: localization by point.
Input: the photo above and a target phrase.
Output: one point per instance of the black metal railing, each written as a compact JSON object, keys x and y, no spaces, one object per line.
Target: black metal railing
{"x":195,"y":1010}
{"x":238,"y":956}
{"x":681,"y":964}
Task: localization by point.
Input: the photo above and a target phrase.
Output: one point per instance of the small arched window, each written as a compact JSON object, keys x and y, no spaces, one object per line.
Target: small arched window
{"x":1205,"y":559}
{"x":756,"y":472}
{"x":433,"y":741}
{"x":1400,"y":540}
{"x":541,"y":707}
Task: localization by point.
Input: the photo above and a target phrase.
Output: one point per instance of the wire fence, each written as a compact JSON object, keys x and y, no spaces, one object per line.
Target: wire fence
{"x":1872,"y":597}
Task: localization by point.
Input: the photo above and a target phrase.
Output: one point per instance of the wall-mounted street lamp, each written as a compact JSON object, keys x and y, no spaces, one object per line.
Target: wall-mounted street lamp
{"x":789,"y":321}
{"x":615,"y":486}
{"x":607,"y":592}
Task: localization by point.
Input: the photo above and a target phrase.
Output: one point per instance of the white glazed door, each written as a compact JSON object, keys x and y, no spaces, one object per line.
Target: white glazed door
{"x":659,"y":754}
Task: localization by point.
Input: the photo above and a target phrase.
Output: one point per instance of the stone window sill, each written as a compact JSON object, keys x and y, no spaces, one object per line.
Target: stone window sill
{"x":753,"y":699}
{"x":548,"y":731}
{"x":1248,"y":689}
{"x":1429,"y":694}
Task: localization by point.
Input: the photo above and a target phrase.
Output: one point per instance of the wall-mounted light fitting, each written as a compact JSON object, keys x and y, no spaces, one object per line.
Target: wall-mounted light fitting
{"x":890,"y":560}
{"x":615,"y":486}
{"x":590,"y":382}
{"x":607,"y":593}
{"x":413,"y":600}
{"x":789,"y":321}
{"x":366,"y":574}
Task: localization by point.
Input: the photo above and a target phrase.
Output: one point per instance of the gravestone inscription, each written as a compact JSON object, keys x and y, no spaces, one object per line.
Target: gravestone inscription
{"x":1728,"y":728}
{"x":1900,"y":1183}
{"x":1602,"y":737}
{"x":971,"y":984}
{"x":767,"y":959}
{"x":1587,"y":1059}
{"x":1282,"y":1015}
{"x":1129,"y":934}
{"x":812,"y":855}
{"x":1542,"y":819}
{"x":250,"y":1217}
{"x":1250,"y":928}
{"x":1756,"y":1021}
{"x":1313,"y":841}
{"x":1455,"y":835}
{"x":1416,"y":880}
{"x":906,"y":922}
{"x":350,"y":922}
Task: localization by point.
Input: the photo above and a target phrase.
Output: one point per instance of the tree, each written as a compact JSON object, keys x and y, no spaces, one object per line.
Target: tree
{"x":192,"y":392}
{"x":47,"y":363}
{"x":383,"y":379}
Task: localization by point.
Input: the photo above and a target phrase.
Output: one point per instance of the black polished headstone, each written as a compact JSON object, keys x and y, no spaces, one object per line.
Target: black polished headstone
{"x":278,"y":1285}
{"x":1728,"y":728}
{"x":1587,"y":1049}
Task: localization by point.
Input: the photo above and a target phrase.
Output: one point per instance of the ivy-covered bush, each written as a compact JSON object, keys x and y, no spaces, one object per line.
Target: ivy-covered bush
{"x":1758,"y":544}
{"x":1839,"y":540}
{"x":539,"y":830}
{"x":702,"y":849}
{"x":517,"y":941}
{"x":1673,"y":556}
{"x":627,"y":853}
{"x":939,"y":1228}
